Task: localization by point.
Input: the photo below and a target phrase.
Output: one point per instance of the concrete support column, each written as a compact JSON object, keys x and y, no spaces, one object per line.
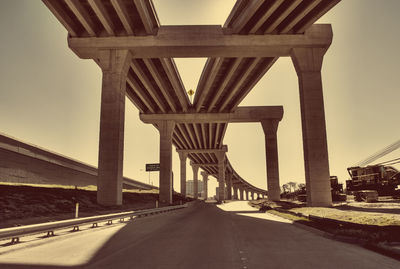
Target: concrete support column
{"x":221,"y":175}
{"x":183,"y":157}
{"x":114,"y":65}
{"x":166,"y":129}
{"x":241,"y":194}
{"x":271,"y":151}
{"x":308,"y":63}
{"x":247,"y":195}
{"x":195,"y":180}
{"x":252,"y":195}
{"x":205,"y":184}
{"x":229,"y":185}
{"x":235,"y":193}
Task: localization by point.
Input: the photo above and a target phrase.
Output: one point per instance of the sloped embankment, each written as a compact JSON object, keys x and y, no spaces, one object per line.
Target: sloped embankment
{"x":21,"y":205}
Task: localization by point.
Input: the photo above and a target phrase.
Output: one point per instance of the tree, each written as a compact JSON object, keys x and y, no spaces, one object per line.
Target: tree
{"x":292,"y":186}
{"x":302,"y":186}
{"x":286,"y":188}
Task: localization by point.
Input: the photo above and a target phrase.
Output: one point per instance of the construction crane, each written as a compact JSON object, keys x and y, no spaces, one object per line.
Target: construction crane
{"x":381,"y":177}
{"x":379,"y":154}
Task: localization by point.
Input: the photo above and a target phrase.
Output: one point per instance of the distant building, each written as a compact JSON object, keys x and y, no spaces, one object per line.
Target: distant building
{"x":190,"y":188}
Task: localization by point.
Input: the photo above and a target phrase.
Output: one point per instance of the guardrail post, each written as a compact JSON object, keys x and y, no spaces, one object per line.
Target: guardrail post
{"x":76,"y":210}
{"x":50,"y":233}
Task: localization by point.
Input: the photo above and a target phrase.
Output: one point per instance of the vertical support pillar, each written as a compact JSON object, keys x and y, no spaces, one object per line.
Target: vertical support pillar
{"x":308,"y":64}
{"x":229,"y":185}
{"x":166,"y":129}
{"x":205,"y":184}
{"x":252,"y":195}
{"x":235,"y":193}
{"x":241,"y":193}
{"x":195,"y":180}
{"x":271,"y":151}
{"x":221,"y":175}
{"x":247,"y":195}
{"x":114,"y":65}
{"x":183,"y":157}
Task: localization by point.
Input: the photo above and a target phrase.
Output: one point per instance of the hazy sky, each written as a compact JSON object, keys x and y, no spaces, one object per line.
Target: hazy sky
{"x":51,"y":98}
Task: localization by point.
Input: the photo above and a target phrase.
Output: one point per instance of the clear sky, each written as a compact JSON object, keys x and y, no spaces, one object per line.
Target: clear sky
{"x":51,"y":98}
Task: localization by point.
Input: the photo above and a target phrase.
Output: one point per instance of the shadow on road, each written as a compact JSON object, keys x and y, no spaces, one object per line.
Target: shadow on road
{"x":205,"y":236}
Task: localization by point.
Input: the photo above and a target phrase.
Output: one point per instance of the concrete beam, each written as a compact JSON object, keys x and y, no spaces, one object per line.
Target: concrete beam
{"x":223,"y":149}
{"x":241,"y":114}
{"x":204,"y":41}
{"x":206,"y":164}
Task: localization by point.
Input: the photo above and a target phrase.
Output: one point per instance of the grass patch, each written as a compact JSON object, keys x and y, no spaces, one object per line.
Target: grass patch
{"x":22,"y":204}
{"x":367,"y":227}
{"x":288,"y":216}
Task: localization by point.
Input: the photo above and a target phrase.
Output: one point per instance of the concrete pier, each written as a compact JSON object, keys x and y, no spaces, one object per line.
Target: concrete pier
{"x":166,"y":129}
{"x":235,"y":193}
{"x":183,"y":158}
{"x":221,"y":175}
{"x":241,"y":194}
{"x":114,"y":65}
{"x":229,"y":185}
{"x":308,"y":64}
{"x":270,"y":128}
{"x":205,"y":184}
{"x":195,"y":180}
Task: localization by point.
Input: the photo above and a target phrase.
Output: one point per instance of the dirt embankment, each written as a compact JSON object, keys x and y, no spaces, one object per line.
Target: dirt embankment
{"x":21,"y":205}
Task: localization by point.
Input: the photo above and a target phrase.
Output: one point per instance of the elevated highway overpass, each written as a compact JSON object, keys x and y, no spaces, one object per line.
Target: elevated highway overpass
{"x":135,"y":53}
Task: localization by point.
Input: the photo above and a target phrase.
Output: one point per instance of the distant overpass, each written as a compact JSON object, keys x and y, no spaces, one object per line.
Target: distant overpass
{"x":21,"y":162}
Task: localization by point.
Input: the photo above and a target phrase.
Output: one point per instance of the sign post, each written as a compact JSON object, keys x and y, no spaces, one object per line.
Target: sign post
{"x":152,"y":167}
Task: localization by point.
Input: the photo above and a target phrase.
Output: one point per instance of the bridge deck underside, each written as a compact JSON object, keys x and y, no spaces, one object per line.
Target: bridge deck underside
{"x":154,"y":84}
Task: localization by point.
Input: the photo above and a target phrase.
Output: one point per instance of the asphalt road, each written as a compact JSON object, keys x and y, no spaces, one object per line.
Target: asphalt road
{"x":230,"y":236}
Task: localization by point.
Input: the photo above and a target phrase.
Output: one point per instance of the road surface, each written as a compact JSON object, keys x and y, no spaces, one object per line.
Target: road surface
{"x":231,"y":235}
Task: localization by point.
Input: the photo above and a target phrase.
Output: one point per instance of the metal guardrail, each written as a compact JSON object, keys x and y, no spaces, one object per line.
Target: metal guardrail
{"x":15,"y":233}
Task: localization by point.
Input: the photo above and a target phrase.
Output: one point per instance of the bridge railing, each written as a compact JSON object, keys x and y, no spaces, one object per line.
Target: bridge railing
{"x":15,"y":233}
